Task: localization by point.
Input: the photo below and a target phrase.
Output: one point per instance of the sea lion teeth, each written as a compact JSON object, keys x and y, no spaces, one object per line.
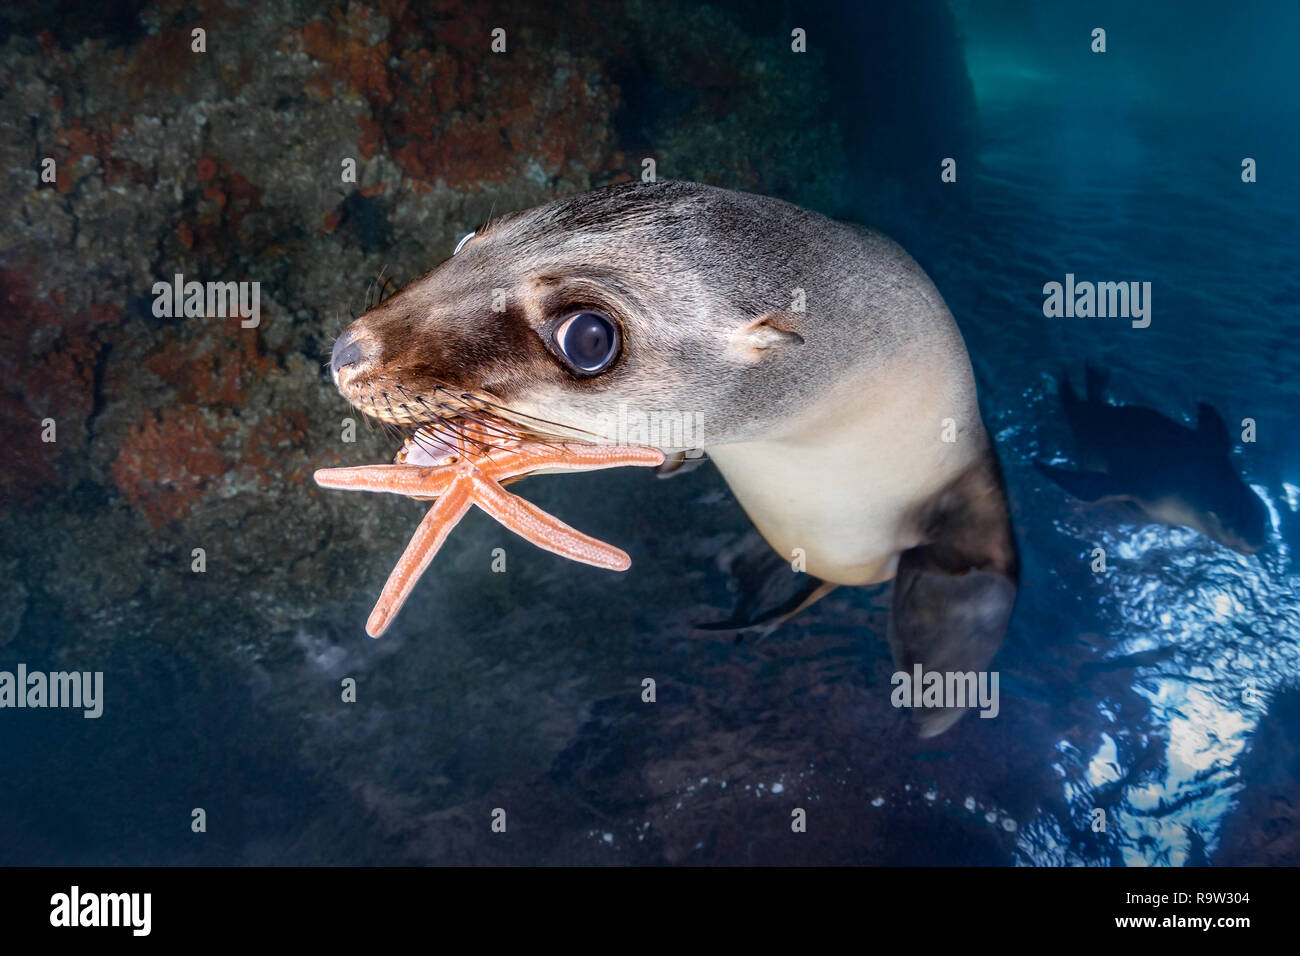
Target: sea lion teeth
{"x":427,"y":448}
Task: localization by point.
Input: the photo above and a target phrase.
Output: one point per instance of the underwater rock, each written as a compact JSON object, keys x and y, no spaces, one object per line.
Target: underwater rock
{"x":1264,"y":830}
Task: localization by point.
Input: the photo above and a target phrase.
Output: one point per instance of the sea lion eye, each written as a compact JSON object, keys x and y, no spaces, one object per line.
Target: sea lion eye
{"x":465,"y":239}
{"x":588,"y":339}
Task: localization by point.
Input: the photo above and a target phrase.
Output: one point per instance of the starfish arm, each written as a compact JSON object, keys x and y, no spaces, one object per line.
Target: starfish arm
{"x":412,"y":480}
{"x":546,"y":531}
{"x":426,"y":541}
{"x":574,"y":457}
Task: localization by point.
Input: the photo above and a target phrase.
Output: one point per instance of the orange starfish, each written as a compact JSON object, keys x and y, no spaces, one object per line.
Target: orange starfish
{"x":471,"y":472}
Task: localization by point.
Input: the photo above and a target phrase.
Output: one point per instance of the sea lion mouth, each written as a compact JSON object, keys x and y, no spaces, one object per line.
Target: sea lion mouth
{"x":449,"y":423}
{"x":469,"y":436}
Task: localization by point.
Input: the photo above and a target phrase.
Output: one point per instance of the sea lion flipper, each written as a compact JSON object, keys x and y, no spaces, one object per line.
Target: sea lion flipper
{"x":1065,"y":391}
{"x":946,"y":622}
{"x":680,"y":463}
{"x":1095,"y":381}
{"x":1211,"y":427}
{"x":1084,"y":485}
{"x":810,"y":591}
{"x":953,"y":593}
{"x":768,"y":591}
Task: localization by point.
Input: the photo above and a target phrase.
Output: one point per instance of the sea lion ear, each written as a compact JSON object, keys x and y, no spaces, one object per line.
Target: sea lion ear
{"x":1210,"y":427}
{"x":769,"y":333}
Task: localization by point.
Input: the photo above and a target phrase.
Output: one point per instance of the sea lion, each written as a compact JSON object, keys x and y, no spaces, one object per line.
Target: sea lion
{"x":815,"y":361}
{"x":1170,"y":473}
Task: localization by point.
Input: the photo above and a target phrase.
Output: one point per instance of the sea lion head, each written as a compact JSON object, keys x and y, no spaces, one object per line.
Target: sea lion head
{"x":576,"y":317}
{"x":1230,"y":512}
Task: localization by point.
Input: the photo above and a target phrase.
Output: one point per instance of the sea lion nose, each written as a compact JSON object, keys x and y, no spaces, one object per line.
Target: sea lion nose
{"x":347,"y":351}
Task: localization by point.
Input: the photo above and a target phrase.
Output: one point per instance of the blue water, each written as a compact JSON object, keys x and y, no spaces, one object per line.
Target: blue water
{"x":1143,"y":676}
{"x":1194,"y":621}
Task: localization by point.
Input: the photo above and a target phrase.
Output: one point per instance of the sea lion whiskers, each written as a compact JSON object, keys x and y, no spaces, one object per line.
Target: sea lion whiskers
{"x":490,"y":423}
{"x":453,"y":436}
{"x":382,"y":282}
{"x":394,"y":431}
{"x":452,"y":423}
{"x":503,"y":421}
{"x":506,"y":412}
{"x":485,"y":423}
{"x":454,"y":419}
{"x":454,"y":431}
